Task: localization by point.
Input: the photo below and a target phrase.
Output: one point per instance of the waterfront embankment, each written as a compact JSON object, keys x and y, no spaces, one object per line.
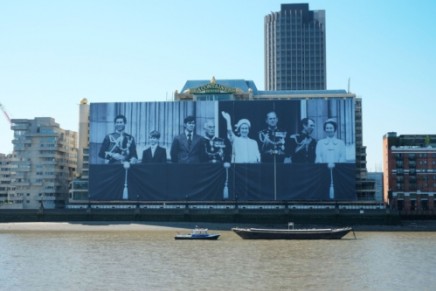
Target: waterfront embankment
{"x":211,"y":215}
{"x":125,"y":226}
{"x":224,"y":219}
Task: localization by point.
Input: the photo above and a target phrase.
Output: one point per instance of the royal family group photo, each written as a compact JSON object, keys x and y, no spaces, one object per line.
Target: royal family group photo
{"x":239,"y":144}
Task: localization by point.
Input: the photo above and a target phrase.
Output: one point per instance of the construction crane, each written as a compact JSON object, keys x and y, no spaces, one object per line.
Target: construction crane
{"x":5,"y":113}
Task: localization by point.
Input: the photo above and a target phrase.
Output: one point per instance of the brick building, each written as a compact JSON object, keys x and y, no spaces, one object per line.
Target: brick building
{"x":409,"y":166}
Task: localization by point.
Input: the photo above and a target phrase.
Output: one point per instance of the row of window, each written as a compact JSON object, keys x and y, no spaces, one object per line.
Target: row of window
{"x":414,"y":155}
{"x":293,"y":76}
{"x":298,"y":86}
{"x":420,"y":178}
{"x":413,"y":163}
{"x":46,"y":173}
{"x":414,"y":187}
{"x":412,"y":171}
{"x":413,"y":205}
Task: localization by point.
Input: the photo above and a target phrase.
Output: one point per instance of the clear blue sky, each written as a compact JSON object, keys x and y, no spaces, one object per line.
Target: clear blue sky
{"x":54,"y":53}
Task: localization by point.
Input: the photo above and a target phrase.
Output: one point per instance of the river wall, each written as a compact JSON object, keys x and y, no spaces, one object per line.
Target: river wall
{"x":247,"y":216}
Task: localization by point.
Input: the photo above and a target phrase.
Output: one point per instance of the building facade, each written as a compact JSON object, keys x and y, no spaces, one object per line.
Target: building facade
{"x":6,"y":186}
{"x":365,"y":185}
{"x":83,"y":138}
{"x":409,"y":167}
{"x":295,"y":49}
{"x":45,"y":162}
{"x":78,"y":191}
{"x":286,"y":146}
{"x":377,"y":177}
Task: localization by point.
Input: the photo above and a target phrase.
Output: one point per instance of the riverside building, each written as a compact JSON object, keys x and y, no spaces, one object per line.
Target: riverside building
{"x":409,"y":167}
{"x":45,"y":161}
{"x":238,"y":89}
{"x":6,"y":186}
{"x":223,"y":143}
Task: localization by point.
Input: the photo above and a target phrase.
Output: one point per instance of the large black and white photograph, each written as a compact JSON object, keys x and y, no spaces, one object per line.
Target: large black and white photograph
{"x":299,"y":149}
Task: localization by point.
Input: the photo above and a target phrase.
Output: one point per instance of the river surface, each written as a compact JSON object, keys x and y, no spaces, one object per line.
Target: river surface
{"x":153,"y":260}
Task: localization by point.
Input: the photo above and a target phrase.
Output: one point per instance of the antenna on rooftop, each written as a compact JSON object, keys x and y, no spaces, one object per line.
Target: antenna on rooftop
{"x":349,"y":81}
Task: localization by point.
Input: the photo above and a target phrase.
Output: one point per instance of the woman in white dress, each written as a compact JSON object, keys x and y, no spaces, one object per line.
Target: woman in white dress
{"x":245,"y":149}
{"x":330,"y":150}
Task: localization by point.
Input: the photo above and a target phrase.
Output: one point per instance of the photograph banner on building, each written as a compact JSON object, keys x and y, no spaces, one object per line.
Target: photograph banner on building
{"x":299,"y":149}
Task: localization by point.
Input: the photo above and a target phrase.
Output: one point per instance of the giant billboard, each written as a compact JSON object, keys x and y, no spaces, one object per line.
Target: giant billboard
{"x":299,"y":149}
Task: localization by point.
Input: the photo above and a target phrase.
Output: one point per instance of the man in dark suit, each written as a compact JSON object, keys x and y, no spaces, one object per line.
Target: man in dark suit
{"x":154,"y":153}
{"x":188,"y":147}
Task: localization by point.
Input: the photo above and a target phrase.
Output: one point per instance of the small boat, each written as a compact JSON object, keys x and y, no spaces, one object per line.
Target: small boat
{"x":292,"y":233}
{"x":198,"y":233}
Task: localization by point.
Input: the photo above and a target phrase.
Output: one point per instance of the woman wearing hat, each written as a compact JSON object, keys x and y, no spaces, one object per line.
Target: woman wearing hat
{"x":245,"y":149}
{"x":330,"y":150}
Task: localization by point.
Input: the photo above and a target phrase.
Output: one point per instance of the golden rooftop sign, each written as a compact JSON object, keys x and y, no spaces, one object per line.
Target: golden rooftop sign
{"x":214,"y":88}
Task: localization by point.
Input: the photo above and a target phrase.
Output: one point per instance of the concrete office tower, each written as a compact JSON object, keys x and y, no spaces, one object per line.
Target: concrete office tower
{"x":295,"y":49}
{"x":45,"y":162}
{"x":82,"y":160}
{"x":79,"y":187}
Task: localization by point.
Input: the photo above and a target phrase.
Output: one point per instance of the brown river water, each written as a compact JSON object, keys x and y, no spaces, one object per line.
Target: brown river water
{"x":113,"y":258}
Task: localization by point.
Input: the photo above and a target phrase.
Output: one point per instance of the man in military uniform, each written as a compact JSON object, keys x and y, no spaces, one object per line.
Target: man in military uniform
{"x":118,"y":147}
{"x":300,"y":147}
{"x":216,"y":149}
{"x":272,"y":140}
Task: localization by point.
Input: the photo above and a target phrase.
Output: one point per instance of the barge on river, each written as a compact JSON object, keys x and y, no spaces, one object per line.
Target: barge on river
{"x":292,"y":233}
